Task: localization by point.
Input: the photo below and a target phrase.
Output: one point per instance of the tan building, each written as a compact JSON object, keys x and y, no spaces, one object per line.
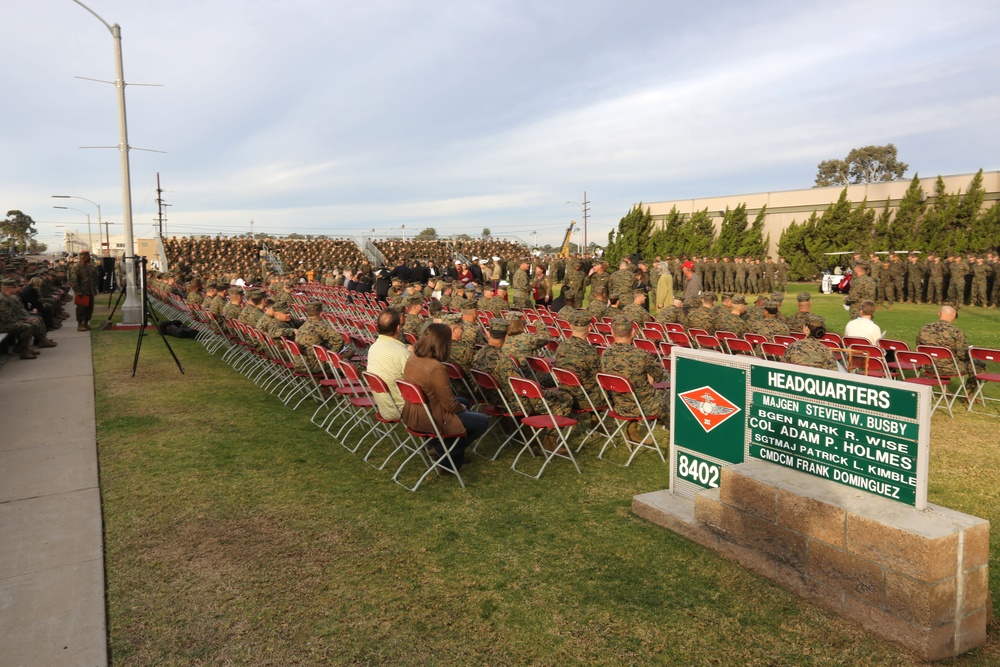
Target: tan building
{"x":786,"y":206}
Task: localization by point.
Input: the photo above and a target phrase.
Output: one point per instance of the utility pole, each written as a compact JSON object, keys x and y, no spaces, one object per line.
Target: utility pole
{"x":160,"y":204}
{"x":586,"y":212}
{"x":107,"y":240}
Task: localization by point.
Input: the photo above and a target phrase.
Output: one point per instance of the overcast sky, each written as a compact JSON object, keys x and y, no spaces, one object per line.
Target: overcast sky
{"x":323,"y":116}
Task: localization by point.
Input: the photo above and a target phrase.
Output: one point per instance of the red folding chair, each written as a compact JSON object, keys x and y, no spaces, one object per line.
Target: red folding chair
{"x":488,"y":383}
{"x":944,"y":356}
{"x":615,"y":385}
{"x":560,"y":427}
{"x":784,"y":340}
{"x":927,"y":377}
{"x":754,"y":339}
{"x":797,"y":335}
{"x":357,"y":407}
{"x":540,"y":367}
{"x":833,"y":338}
{"x":851,"y":341}
{"x":709,"y":342}
{"x":773,"y":351}
{"x":674,"y":327}
{"x":569,"y":379}
{"x":991,"y":358}
{"x":740,"y":346}
{"x":868,"y":360}
{"x":890,"y":345}
{"x":412,"y":393}
{"x":678,"y":337}
{"x":383,"y":425}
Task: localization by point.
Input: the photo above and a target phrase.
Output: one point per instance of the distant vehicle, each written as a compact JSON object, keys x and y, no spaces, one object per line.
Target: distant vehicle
{"x":835,"y":284}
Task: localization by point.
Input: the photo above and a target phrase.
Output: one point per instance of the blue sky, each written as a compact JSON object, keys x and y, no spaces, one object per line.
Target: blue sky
{"x":338,"y":117}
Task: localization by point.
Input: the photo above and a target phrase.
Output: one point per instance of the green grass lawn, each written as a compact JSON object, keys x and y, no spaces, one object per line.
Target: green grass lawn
{"x":239,"y":533}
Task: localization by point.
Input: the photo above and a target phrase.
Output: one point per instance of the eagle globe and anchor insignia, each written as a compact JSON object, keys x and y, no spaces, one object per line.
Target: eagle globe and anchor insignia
{"x":709,"y":407}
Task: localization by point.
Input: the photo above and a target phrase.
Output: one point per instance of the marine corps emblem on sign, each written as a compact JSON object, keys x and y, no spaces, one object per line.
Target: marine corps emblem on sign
{"x":708,"y":406}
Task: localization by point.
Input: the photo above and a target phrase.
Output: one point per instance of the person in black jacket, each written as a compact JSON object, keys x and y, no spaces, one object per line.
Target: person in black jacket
{"x":402,"y":272}
{"x":382,"y":285}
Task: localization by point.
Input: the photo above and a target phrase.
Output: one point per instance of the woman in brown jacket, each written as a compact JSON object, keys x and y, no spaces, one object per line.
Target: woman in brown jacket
{"x":425,"y":369}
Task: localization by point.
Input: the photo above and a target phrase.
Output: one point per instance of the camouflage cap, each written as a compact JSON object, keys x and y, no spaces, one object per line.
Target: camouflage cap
{"x":771,"y":304}
{"x":281,"y":307}
{"x":620,"y":321}
{"x":314,"y":307}
{"x":580,"y":318}
{"x":452,"y":318}
{"x":778,"y":296}
{"x":9,"y":282}
{"x":739,"y":300}
{"x":499,"y":325}
{"x":803,"y":296}
{"x":235,"y":290}
{"x":470,"y":288}
{"x":693,"y":302}
{"x":637,"y":292}
{"x":708,"y":296}
{"x":813,"y":321}
{"x":257,"y":294}
{"x":413,"y":300}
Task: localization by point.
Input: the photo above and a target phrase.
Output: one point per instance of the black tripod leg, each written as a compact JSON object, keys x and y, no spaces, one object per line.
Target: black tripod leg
{"x":152,"y":315}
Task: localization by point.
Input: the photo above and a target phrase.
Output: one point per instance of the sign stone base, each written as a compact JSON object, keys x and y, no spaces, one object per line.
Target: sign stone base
{"x":915,"y":577}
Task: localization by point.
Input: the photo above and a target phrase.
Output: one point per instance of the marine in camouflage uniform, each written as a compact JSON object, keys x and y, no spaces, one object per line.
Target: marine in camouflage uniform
{"x":621,"y":283}
{"x":524,"y":345}
{"x":13,"y":322}
{"x":810,"y":352}
{"x":731,"y":320}
{"x":577,"y":355}
{"x":700,"y":317}
{"x":956,"y":286}
{"x":575,"y":279}
{"x":673,"y":313}
{"x":769,"y":326}
{"x":599,"y":280}
{"x":862,"y":288}
{"x":636,"y":310}
{"x":519,"y":287}
{"x":83,"y":278}
{"x":497,"y":363}
{"x":628,"y":361}
{"x":945,"y":334}
{"x":598,"y":306}
{"x":194,"y":296}
{"x":980,"y":276}
{"x":315,"y":331}
{"x":914,"y":278}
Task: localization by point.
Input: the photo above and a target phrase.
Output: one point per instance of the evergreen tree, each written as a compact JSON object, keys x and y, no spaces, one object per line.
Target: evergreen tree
{"x":792,"y":246}
{"x":985,"y":235}
{"x":904,"y":226}
{"x":697,"y":234}
{"x":633,"y":234}
{"x":732,"y":232}
{"x":967,"y":214}
{"x":935,"y":224}
{"x":880,"y":234}
{"x":754,"y":243}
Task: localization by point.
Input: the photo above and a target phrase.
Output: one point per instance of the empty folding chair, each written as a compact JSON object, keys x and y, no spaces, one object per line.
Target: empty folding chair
{"x":868,"y":360}
{"x":925,"y":374}
{"x":384,"y":425}
{"x":948,"y":368}
{"x":773,"y":351}
{"x":539,"y":424}
{"x":784,"y":340}
{"x":489,"y":386}
{"x":991,"y":358}
{"x":709,"y":342}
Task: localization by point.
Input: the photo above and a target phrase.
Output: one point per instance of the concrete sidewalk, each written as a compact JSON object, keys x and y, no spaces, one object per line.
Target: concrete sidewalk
{"x":52,"y":608}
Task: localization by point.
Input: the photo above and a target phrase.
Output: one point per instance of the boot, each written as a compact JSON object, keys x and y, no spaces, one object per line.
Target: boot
{"x":25,"y":351}
{"x":81,"y":326}
{"x":86,"y":326}
{"x":47,"y":342}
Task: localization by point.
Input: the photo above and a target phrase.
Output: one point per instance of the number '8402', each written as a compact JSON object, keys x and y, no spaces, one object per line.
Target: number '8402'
{"x":700,"y":472}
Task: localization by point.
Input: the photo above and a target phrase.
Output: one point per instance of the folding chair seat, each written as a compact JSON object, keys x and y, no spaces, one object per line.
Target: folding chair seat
{"x":925,"y":374}
{"x":307,"y":382}
{"x":412,"y":393}
{"x":833,"y":338}
{"x":868,"y":360}
{"x":892,"y":348}
{"x":569,"y":379}
{"x":358,"y":405}
{"x":773,"y":351}
{"x":646,"y":345}
{"x":333,"y":381}
{"x":754,"y":339}
{"x":784,"y":340}
{"x":560,"y":427}
{"x":488,"y":383}
{"x":942,"y":356}
{"x":620,"y":386}
{"x":679,"y":338}
{"x":656,"y":335}
{"x":386,"y":427}
{"x":709,"y":342}
{"x":991,"y":358}
{"x":851,"y":341}
{"x":540,"y":367}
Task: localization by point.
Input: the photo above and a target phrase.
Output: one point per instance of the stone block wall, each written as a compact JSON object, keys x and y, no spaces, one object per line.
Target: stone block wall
{"x":915,"y":577}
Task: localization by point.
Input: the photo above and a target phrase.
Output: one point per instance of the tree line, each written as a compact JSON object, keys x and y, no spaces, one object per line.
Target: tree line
{"x":953,"y":222}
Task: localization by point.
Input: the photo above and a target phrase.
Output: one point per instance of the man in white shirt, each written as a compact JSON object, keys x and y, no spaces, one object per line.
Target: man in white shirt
{"x":864,"y":325}
{"x":386,"y":358}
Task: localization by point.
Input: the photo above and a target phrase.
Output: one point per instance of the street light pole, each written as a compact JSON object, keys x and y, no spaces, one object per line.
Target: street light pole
{"x":132,"y":308}
{"x":90,"y":236}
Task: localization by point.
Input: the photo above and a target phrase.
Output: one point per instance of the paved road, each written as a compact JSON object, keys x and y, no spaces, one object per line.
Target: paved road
{"x":52,"y":609}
